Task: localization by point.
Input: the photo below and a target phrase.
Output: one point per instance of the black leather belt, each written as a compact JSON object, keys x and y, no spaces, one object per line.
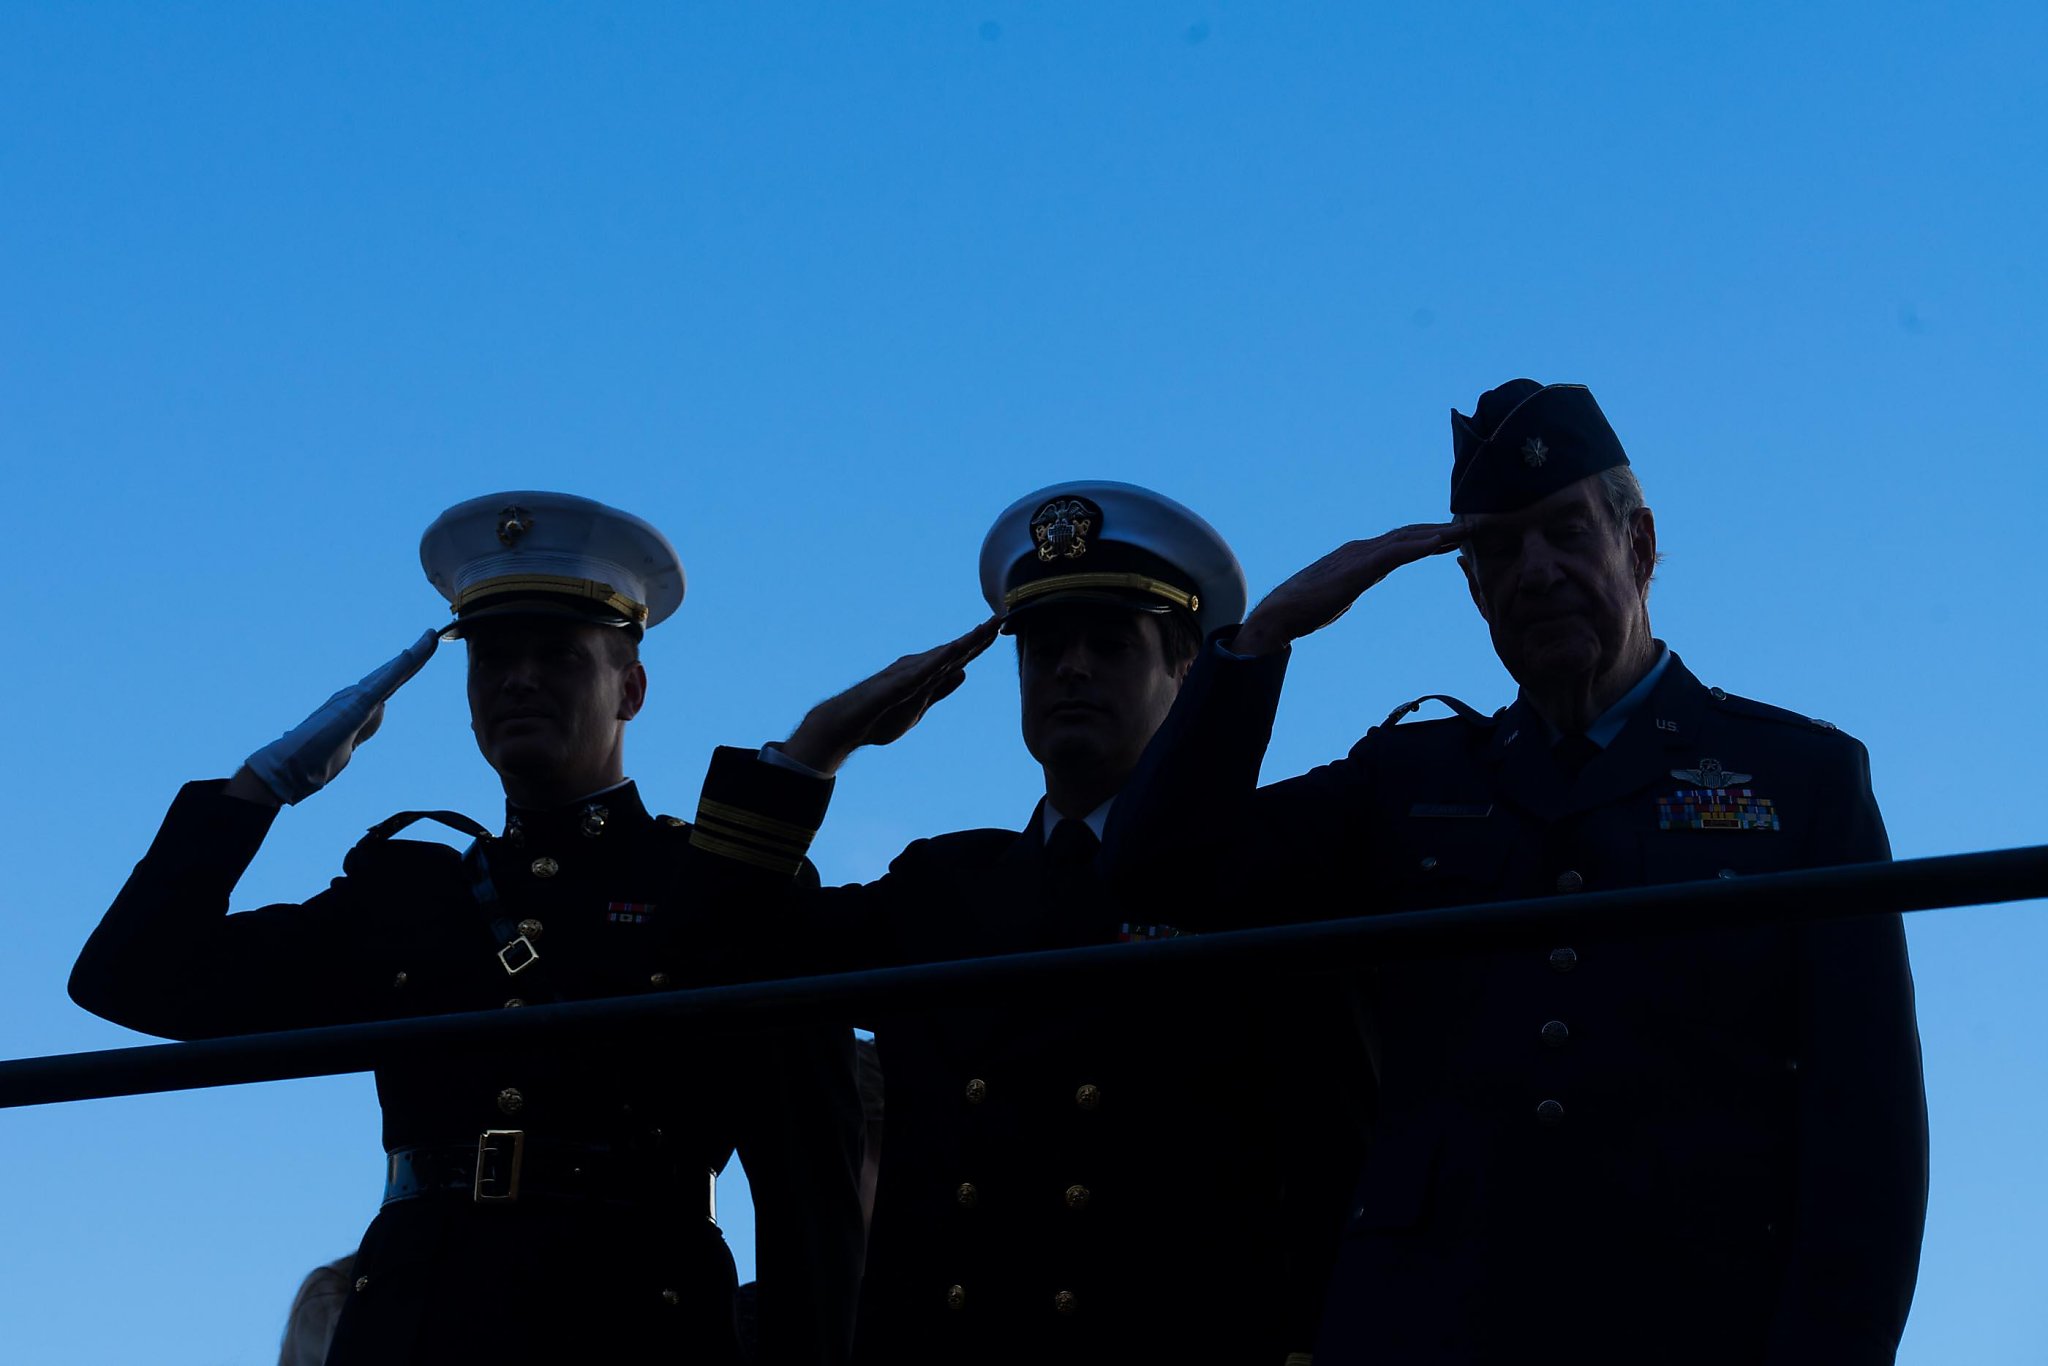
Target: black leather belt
{"x":508,"y":1165}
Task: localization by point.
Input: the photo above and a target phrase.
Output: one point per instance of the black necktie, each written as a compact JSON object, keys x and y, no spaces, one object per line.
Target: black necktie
{"x":1573,"y":753}
{"x":1071,"y":850}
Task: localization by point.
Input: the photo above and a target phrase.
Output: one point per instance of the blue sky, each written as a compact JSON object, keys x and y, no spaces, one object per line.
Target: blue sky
{"x":821,"y":288}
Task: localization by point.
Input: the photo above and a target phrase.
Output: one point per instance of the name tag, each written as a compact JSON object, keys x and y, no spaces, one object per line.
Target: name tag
{"x":1451,"y":811}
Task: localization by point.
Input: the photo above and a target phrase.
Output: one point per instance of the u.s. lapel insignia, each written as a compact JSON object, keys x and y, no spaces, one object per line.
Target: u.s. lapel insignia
{"x":1061,"y":528}
{"x":1710,"y":775}
{"x":1535,"y":453}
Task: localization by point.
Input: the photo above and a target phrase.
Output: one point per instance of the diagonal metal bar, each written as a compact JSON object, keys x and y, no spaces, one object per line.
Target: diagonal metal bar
{"x":1317,"y":947}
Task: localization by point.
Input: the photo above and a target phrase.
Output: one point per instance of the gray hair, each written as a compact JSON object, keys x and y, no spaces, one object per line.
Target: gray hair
{"x":1620,"y":492}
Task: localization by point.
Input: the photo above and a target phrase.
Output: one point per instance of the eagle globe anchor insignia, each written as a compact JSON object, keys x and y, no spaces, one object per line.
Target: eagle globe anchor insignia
{"x":1061,"y":528}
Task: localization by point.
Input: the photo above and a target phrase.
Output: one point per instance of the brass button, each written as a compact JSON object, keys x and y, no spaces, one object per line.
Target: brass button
{"x":1078,"y":1197}
{"x":530,"y":927}
{"x":659,"y":979}
{"x":1555,"y":1033}
{"x":1717,"y":694}
{"x":545,"y":867}
{"x":1570,"y":880}
{"x":1088,"y":1097}
{"x":362,"y":1284}
{"x":1728,"y":873}
{"x":510,"y":1102}
{"x":977,"y":1091}
{"x":671,"y":1297}
{"x":967,"y":1195}
{"x":400,"y":980}
{"x":1563,"y":960}
{"x":1429,"y":864}
{"x":956,"y":1297}
{"x":515,"y":1002}
{"x":674,"y":822}
{"x":1550,"y":1112}
{"x":1065,"y":1302}
{"x":594,"y":818}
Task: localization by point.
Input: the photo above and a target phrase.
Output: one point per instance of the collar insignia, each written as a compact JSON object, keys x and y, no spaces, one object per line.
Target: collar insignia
{"x":1534,"y":452}
{"x":1061,"y":528}
{"x":1710,"y":775}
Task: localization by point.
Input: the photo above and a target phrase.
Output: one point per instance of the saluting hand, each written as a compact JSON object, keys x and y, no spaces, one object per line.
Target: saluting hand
{"x":305,"y":759}
{"x":1324,"y":591}
{"x":886,"y":706}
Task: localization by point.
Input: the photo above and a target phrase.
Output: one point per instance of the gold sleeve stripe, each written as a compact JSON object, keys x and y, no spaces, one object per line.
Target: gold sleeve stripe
{"x":1299,"y":1359}
{"x":711,"y":844}
{"x":747,"y":839}
{"x":1067,"y":583}
{"x":748,"y":820}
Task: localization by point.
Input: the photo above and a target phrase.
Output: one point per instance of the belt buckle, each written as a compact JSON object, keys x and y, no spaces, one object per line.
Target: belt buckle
{"x":517,"y":956}
{"x":499,"y":1155}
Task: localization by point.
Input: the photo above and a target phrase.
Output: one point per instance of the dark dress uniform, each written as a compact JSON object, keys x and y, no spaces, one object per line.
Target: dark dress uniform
{"x":1091,"y":1180}
{"x":579,"y":1227}
{"x":1707,"y":1147}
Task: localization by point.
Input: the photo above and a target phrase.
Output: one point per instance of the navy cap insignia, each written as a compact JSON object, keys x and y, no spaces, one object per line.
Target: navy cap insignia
{"x":1710,"y":775}
{"x":513,"y":522}
{"x":1534,"y":452}
{"x":1062,"y":527}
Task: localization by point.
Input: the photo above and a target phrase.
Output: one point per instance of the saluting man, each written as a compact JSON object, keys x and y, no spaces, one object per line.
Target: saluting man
{"x":1078,"y":1177}
{"x":1706,"y":1147}
{"x":542,"y":1204}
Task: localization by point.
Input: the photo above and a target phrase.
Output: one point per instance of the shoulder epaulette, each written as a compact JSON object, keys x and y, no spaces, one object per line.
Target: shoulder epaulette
{"x":1748,"y":706}
{"x":1465,"y":713}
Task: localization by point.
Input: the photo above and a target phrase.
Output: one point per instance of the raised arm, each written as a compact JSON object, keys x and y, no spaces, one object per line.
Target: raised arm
{"x":167,"y":958}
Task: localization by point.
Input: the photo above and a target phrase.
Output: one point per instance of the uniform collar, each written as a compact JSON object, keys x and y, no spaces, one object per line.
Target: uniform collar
{"x":1050,"y":816}
{"x":1610,"y":722}
{"x":603,"y":812}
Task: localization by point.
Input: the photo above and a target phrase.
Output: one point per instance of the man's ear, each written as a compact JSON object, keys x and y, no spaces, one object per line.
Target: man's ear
{"x":1472,"y":586}
{"x":633,"y":692}
{"x":1642,"y":547}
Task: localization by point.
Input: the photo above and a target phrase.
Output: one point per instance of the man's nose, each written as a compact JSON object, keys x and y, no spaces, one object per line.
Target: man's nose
{"x":1538,"y":571}
{"x":1075,"y":661}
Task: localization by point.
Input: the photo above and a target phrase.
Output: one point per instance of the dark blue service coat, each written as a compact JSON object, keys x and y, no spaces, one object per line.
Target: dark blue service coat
{"x":1700,"y":1147}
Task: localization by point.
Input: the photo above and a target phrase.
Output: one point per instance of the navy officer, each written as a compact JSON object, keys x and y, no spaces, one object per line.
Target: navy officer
{"x":1077,"y":1176}
{"x":1701,"y":1147}
{"x":542,"y":1203}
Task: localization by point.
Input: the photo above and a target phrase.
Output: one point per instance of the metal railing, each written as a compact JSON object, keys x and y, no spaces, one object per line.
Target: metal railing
{"x":1955,"y":880}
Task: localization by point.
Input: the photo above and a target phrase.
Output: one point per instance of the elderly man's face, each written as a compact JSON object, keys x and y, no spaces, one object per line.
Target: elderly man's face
{"x":1561,"y":589}
{"x":547,"y":698}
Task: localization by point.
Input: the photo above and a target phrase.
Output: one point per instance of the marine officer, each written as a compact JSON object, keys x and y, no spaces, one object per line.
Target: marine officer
{"x":1077,"y":1177}
{"x":1701,"y":1147}
{"x":542,"y":1204}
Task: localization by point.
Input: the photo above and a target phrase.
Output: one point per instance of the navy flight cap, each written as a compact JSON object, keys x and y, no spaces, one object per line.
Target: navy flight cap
{"x":1524,"y":442}
{"x":1104,"y":541}
{"x":530,"y":553}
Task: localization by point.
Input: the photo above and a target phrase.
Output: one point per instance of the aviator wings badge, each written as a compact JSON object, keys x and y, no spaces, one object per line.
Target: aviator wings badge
{"x":1710,"y":775}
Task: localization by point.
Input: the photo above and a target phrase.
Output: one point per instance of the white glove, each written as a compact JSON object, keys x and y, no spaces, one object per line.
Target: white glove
{"x":305,"y":759}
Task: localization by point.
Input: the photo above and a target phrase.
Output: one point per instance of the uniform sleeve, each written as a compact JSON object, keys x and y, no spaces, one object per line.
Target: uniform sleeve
{"x":800,"y":1138}
{"x":1862,"y":1165}
{"x":1193,"y":827}
{"x":755,"y":823}
{"x":167,"y":958}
